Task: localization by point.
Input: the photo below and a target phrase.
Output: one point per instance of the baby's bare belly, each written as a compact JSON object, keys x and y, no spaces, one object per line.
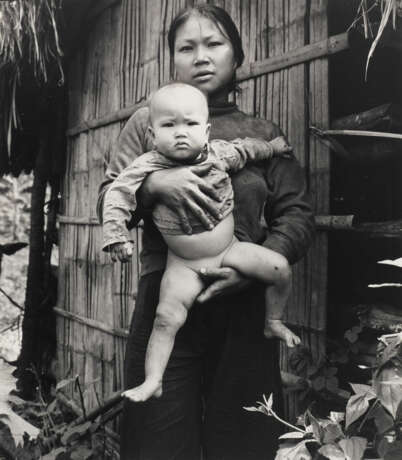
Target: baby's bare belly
{"x":206,"y":244}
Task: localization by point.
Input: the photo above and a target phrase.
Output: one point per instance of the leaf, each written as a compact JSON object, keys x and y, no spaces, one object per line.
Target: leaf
{"x":332,"y":432}
{"x":389,"y":389}
{"x":384,"y":20}
{"x":56,"y":454}
{"x":293,"y":452}
{"x":351,"y":335}
{"x":82,"y":453}
{"x":332,"y":384}
{"x":395,"y":262}
{"x":355,"y":408}
{"x":269,"y":402}
{"x":63,"y":383}
{"x":16,"y":400}
{"x":18,"y":426}
{"x":394,"y":451}
{"x":317,"y":429}
{"x":332,"y":451}
{"x":382,"y":419}
{"x":386,"y":356}
{"x":365,"y":390}
{"x":252,"y":409}
{"x":353,"y":447}
{"x":318,"y":383}
{"x":292,"y":435}
{"x":337,"y":416}
{"x":52,"y":406}
{"x":74,"y":433}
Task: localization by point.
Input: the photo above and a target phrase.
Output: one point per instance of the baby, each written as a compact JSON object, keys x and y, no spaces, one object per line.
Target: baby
{"x":179,"y":128}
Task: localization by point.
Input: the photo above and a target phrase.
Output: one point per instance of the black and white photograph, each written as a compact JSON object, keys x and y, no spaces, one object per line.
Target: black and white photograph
{"x":200,"y":229}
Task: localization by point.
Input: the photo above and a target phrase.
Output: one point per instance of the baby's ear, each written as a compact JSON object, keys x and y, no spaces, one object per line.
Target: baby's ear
{"x":151,"y":132}
{"x":208,"y":130}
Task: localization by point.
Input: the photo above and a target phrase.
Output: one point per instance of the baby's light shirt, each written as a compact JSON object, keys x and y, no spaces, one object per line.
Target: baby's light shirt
{"x":120,"y":199}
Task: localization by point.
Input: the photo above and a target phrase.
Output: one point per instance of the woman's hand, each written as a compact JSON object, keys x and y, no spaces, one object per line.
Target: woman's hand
{"x":221,"y":281}
{"x":183,"y":190}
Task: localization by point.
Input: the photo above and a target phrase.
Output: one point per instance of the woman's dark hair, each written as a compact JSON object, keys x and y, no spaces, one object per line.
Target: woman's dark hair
{"x":218,"y":16}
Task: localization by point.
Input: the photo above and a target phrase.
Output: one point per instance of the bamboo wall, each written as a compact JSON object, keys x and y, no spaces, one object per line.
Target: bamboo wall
{"x":124,"y":58}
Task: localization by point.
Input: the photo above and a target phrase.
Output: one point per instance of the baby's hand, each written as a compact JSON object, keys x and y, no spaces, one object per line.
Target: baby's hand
{"x":121,"y":251}
{"x":280,"y":145}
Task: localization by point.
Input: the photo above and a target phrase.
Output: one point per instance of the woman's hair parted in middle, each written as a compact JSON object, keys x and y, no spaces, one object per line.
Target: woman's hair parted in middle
{"x":219,"y":17}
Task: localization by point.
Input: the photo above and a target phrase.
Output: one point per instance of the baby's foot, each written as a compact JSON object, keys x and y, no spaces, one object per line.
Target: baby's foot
{"x":145,"y":391}
{"x":275,"y":328}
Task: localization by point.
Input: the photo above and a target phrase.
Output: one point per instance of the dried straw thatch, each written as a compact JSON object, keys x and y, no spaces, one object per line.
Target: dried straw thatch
{"x":29,"y":51}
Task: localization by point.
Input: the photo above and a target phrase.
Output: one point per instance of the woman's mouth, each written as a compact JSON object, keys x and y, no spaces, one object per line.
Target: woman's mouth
{"x":203,"y":76}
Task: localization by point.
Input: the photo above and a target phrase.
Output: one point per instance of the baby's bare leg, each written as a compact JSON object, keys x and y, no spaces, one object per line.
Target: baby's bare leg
{"x":180,"y":287}
{"x":272,"y":269}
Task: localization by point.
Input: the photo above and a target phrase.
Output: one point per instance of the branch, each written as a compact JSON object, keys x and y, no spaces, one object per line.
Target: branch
{"x":5,"y":293}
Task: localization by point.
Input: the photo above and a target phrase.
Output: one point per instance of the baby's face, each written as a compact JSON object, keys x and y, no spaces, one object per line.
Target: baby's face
{"x":179,"y":125}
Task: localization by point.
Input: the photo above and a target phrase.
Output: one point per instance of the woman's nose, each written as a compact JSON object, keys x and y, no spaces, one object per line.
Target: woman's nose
{"x":201,"y":55}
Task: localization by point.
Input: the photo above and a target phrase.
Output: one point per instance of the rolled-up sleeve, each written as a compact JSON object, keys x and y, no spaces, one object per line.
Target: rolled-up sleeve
{"x":288,"y":212}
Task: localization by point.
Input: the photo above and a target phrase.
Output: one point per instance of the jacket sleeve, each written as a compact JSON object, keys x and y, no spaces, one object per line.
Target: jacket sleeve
{"x":288,"y":211}
{"x":120,"y":201}
{"x":237,"y":153}
{"x":130,"y":145}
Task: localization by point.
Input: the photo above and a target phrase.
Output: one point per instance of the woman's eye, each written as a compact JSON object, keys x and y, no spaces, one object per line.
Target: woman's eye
{"x":214,"y":43}
{"x":185,"y":48}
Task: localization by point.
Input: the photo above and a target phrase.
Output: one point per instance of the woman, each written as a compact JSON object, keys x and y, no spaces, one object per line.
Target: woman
{"x":221,"y":361}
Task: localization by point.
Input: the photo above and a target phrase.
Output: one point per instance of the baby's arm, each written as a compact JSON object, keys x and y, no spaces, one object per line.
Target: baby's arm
{"x":237,"y":153}
{"x":120,"y":201}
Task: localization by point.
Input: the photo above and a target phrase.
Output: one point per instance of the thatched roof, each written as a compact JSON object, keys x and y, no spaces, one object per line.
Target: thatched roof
{"x":36,"y":37}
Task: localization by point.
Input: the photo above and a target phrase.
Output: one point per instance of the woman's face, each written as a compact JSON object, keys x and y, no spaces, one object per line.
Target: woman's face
{"x":203,"y":55}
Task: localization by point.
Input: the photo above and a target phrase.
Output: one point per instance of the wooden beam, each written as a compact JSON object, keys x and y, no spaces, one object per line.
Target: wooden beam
{"x":114,"y":117}
{"x":390,"y":113}
{"x":352,"y":132}
{"x":78,"y":220}
{"x":92,"y":323}
{"x":100,"y":6}
{"x":304,"y":54}
{"x":387,"y":229}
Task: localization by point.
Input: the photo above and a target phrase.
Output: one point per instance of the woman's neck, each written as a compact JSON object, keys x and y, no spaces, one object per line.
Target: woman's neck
{"x":219,"y":98}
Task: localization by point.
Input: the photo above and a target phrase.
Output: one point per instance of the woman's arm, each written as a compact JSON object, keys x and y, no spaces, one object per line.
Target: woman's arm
{"x":183,"y":190}
{"x":288,"y":212}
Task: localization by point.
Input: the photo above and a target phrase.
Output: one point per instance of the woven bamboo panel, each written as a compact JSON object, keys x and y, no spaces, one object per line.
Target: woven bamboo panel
{"x":123,"y":60}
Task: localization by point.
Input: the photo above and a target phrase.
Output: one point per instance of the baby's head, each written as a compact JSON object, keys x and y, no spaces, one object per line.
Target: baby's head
{"x":179,"y":127}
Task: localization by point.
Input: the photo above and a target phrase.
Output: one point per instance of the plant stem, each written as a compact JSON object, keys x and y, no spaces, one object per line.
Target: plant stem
{"x":367,"y":414}
{"x":271,"y":412}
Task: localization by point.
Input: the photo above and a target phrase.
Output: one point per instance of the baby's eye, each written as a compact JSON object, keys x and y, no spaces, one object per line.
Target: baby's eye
{"x":167,"y":125}
{"x":193,"y":123}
